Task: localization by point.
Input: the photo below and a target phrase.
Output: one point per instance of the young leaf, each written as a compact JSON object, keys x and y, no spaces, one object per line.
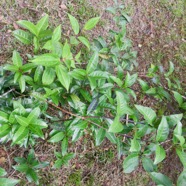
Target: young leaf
{"x":4,"y":130}
{"x":56,"y":36}
{"x":84,"y":41}
{"x":33,"y":115}
{"x":130,"y":80}
{"x":23,"y":36}
{"x":63,"y":76}
{"x":64,"y":146}
{"x":178,"y":97}
{"x":160,"y":154}
{"x":48,"y":76}
{"x":182,"y":156}
{"x":91,"y":23}
{"x":74,"y":23}
{"x":78,"y":74}
{"x":42,"y":24}
{"x":31,"y":175}
{"x":160,"y":179}
{"x":92,"y":64}
{"x":57,"y":137}
{"x":2,"y":172}
{"x":29,"y":26}
{"x":38,"y":73}
{"x":22,"y":84}
{"x":171,"y":69}
{"x":17,"y":60}
{"x":130,"y":163}
{"x":99,"y":74}
{"x":22,"y":121}
{"x":163,"y":130}
{"x":47,"y":60}
{"x":20,"y":134}
{"x":93,"y":105}
{"x":135,"y":146}
{"x":147,"y":112}
{"x":116,"y":126}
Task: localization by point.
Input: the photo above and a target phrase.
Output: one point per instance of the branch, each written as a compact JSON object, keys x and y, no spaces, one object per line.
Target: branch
{"x":11,"y":90}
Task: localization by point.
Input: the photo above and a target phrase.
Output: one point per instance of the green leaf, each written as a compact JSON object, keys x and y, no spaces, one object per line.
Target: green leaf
{"x":64,"y":146}
{"x":178,"y":97}
{"x":84,"y":41}
{"x":111,"y":137}
{"x":56,"y":36}
{"x":174,"y":119}
{"x":27,"y":67}
{"x":93,"y":105}
{"x":91,"y":23}
{"x":33,"y":115}
{"x":147,"y":112}
{"x":3,"y":117}
{"x":130,"y":80}
{"x":20,"y":134}
{"x":47,"y":60}
{"x":66,"y":53}
{"x":116,"y":126}
{"x":12,"y":68}
{"x":57,"y":137}
{"x":161,"y":179}
{"x":182,"y":156}
{"x":92,"y":64}
{"x":2,"y":172}
{"x":42,"y":24}
{"x":8,"y":181}
{"x":22,"y":167}
{"x":160,"y":154}
{"x":48,"y":76}
{"x":23,"y":36}
{"x":22,"y":84}
{"x":29,"y":26}
{"x":182,"y":179}
{"x":130,"y":163}
{"x":163,"y":130}
{"x":171,"y":69}
{"x":36,"y":44}
{"x":135,"y":145}
{"x":79,"y":74}
{"x":99,"y":74}
{"x":74,"y":23}
{"x":148,"y":164}
{"x":116,"y":80}
{"x":4,"y":130}
{"x":144,"y":85}
{"x":63,"y":76}
{"x":38,"y":73}
{"x":31,"y":175}
{"x":17,"y":60}
{"x":99,"y":136}
{"x":22,"y":121}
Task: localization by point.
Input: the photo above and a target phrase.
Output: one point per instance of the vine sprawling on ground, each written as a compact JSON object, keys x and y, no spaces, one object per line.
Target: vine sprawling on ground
{"x":96,"y":89}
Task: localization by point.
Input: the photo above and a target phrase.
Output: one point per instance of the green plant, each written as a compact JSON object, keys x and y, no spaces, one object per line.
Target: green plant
{"x":95,"y":93}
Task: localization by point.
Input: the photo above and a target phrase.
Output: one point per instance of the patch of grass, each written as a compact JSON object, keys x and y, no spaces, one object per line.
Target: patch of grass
{"x":74,"y":179}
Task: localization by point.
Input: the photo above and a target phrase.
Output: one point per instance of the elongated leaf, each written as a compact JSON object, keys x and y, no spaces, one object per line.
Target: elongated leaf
{"x":130,"y":163}
{"x":57,"y":137}
{"x":182,"y":156}
{"x":48,"y":60}
{"x":99,"y":74}
{"x":22,"y":84}
{"x":178,"y":98}
{"x":12,"y":68}
{"x":29,"y":26}
{"x":2,"y":172}
{"x":48,"y":76}
{"x":160,"y":179}
{"x":91,"y":23}
{"x":17,"y":60}
{"x":42,"y":24}
{"x":23,"y":36}
{"x":163,"y":130}
{"x":116,"y":126}
{"x":4,"y":130}
{"x":147,"y":112}
{"x":78,"y":74}
{"x":3,"y":117}
{"x":160,"y":154}
{"x":56,"y":34}
{"x":38,"y":73}
{"x":99,"y":136}
{"x":92,"y":64}
{"x":20,"y":134}
{"x":66,"y":53}
{"x":22,"y":121}
{"x":8,"y":181}
{"x":93,"y":105}
{"x":23,"y":167}
{"x":33,"y":115}
{"x":64,"y":146}
{"x":63,"y":76}
{"x":31,"y":175}
{"x":130,"y":80}
{"x":74,"y":23}
{"x":171,"y":69}
{"x":84,"y":41}
{"x":116,"y":80}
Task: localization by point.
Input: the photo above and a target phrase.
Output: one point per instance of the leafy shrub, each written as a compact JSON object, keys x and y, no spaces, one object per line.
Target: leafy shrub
{"x":96,"y":90}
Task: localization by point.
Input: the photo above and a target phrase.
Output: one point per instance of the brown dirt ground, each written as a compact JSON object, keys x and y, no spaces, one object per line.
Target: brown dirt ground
{"x":157,"y":35}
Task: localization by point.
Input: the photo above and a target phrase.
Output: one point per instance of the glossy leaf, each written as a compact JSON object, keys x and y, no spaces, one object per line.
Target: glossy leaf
{"x":22,"y":121}
{"x":56,"y":36}
{"x":17,"y":60}
{"x":84,"y":41}
{"x":21,"y":133}
{"x":130,"y":80}
{"x":182,"y":178}
{"x":92,"y":64}
{"x":93,"y":105}
{"x":116,"y":126}
{"x":22,"y":36}
{"x":178,"y":97}
{"x":99,"y":136}
{"x":22,"y":84}
{"x":147,"y":112}
{"x":148,"y":164}
{"x":182,"y":156}
{"x":2,"y":172}
{"x":159,"y":154}
{"x":42,"y":24}
{"x":57,"y":137}
{"x":99,"y":74}
{"x":48,"y":76}
{"x":91,"y":23}
{"x":74,"y":23}
{"x":163,"y":130}
{"x":33,"y":115}
{"x":64,"y":146}
{"x":4,"y":130}
{"x":8,"y":181}
{"x":38,"y":73}
{"x":135,"y":145}
{"x":130,"y":163}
